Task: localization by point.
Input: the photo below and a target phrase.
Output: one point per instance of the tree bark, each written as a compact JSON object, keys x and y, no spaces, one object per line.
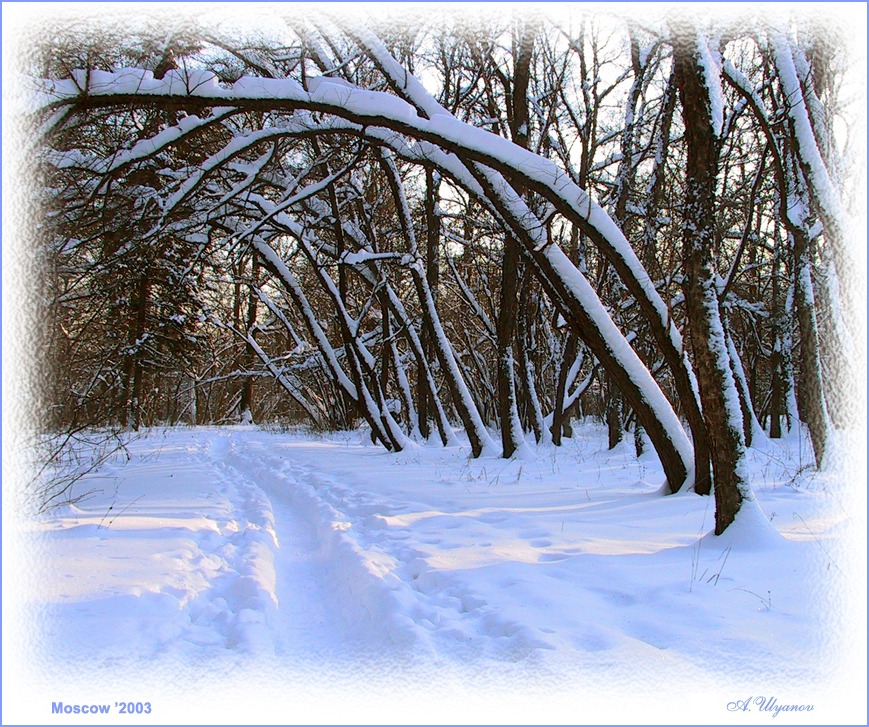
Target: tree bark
{"x":718,"y":394}
{"x":432,"y":273}
{"x":526,"y":364}
{"x":508,"y":413}
{"x":131,"y":411}
{"x":559,"y":413}
{"x":512,"y":435}
{"x":810,"y":394}
{"x":245,"y":404}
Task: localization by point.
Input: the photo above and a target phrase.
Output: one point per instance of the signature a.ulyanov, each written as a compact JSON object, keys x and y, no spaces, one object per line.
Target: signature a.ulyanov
{"x":766,"y":704}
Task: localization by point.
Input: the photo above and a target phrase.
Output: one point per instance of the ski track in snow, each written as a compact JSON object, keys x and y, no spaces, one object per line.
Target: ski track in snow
{"x":242,"y":543}
{"x":383,"y":589}
{"x":180,"y":567}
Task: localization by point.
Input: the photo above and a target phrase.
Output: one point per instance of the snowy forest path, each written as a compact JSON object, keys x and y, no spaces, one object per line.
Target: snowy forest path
{"x":311,"y":621}
{"x":329,"y":555}
{"x":368,"y":578}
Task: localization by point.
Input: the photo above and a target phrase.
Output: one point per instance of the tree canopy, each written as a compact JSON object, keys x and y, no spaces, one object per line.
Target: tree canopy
{"x":487,"y":223}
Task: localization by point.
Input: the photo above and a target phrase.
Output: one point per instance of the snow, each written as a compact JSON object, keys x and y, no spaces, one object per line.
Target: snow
{"x":355,"y":100}
{"x":336,"y":578}
{"x":710,"y":62}
{"x":363,"y":256}
{"x":244,"y":576}
{"x":257,"y":87}
{"x":383,"y":108}
{"x":822,"y":185}
{"x":623,"y":352}
{"x":344,"y":100}
{"x":487,"y":444}
{"x":268,"y":254}
{"x":163,"y":139}
{"x":587,"y":298}
{"x":407,"y":84}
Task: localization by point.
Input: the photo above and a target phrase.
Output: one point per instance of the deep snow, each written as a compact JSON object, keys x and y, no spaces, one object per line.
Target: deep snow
{"x":239,"y":575}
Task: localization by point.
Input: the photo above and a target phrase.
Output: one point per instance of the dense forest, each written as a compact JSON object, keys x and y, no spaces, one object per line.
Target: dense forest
{"x":489,"y":224}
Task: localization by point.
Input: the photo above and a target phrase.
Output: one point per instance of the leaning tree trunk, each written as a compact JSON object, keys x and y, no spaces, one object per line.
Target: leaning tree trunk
{"x":585,"y":314}
{"x":464,"y":403}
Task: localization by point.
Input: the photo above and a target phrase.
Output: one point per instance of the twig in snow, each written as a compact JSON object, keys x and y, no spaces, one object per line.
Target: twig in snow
{"x":826,"y":552}
{"x":720,"y":570}
{"x":767,"y":602}
{"x":118,"y":514}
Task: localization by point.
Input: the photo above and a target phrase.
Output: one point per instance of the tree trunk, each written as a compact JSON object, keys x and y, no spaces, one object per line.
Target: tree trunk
{"x":682,"y":373}
{"x":245,"y":404}
{"x":718,"y":394}
{"x":613,"y":414}
{"x":432,"y":273}
{"x":511,"y":428}
{"x":512,"y":435}
{"x":463,"y":401}
{"x":577,"y":302}
{"x":810,"y":398}
{"x":526,"y":365}
{"x":559,"y":412}
{"x":568,"y":356}
{"x":776,"y":395}
{"x":131,"y":411}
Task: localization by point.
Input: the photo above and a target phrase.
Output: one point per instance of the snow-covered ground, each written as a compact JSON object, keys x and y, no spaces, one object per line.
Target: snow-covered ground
{"x":234,"y":575}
